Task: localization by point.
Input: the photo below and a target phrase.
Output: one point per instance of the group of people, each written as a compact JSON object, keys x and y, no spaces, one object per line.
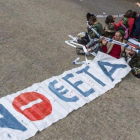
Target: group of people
{"x":129,"y":26}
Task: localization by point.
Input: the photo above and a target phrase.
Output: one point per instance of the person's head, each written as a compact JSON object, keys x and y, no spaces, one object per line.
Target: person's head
{"x":119,"y":35}
{"x":135,"y":14}
{"x":128,"y":14}
{"x":92,"y":20}
{"x":125,"y":20}
{"x":109,"y":19}
{"x":89,"y":15}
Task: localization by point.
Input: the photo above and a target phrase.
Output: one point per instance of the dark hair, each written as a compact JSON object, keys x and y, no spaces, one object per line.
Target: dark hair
{"x":134,"y":14}
{"x":93,"y":18}
{"x":128,"y":14}
{"x":109,"y":19}
{"x":89,"y":15}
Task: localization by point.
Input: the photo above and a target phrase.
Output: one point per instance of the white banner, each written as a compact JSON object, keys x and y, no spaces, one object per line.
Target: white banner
{"x":35,"y":108}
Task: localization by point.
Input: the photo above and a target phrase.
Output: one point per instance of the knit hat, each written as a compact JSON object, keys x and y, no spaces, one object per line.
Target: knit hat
{"x":125,"y":20}
{"x":122,"y":32}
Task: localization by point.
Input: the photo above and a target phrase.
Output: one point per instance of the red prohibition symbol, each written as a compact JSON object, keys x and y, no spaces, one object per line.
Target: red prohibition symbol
{"x":33,"y":105}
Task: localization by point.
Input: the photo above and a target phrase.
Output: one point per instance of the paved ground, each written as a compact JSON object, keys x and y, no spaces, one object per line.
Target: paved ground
{"x":32,"y":49}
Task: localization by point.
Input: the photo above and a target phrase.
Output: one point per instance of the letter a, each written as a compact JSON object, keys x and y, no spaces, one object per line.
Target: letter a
{"x":114,"y":68}
{"x":7,"y":120}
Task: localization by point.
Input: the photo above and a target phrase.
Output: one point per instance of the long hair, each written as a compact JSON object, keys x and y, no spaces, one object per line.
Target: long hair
{"x":128,"y":14}
{"x":109,"y":19}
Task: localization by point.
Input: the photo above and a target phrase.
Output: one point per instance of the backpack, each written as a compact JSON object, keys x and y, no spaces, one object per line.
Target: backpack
{"x":109,"y":30}
{"x":126,"y":32}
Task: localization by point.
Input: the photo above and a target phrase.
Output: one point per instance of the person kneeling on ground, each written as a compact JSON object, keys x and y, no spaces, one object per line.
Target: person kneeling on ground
{"x":116,"y":50}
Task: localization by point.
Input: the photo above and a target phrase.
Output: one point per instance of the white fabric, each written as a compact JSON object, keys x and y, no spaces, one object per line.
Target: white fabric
{"x":61,"y":108}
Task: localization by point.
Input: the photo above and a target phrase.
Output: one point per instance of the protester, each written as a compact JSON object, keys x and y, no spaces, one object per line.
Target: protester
{"x":92,"y":21}
{"x":136,"y":28}
{"x":123,"y":25}
{"x":116,"y":50}
{"x":109,"y":29}
{"x":128,"y":15}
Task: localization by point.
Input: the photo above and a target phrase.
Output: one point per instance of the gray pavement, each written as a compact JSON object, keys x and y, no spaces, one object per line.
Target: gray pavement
{"x":32,"y":35}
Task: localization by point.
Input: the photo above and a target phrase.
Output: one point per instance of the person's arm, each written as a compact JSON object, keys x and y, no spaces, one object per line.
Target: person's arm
{"x":138,"y":4}
{"x":118,"y":24}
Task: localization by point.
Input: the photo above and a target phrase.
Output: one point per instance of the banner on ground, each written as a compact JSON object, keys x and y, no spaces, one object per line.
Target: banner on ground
{"x":35,"y":108}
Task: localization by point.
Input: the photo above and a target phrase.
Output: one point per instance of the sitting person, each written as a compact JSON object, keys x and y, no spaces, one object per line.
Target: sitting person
{"x":123,"y":25}
{"x":136,"y":28}
{"x":116,"y":50}
{"x":92,"y":21}
{"x":109,"y":29}
{"x":128,"y":15}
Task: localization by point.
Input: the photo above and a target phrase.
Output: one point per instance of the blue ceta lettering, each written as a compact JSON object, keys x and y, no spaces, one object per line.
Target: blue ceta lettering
{"x":61,"y":94}
{"x":76,"y":84}
{"x":86,"y":71}
{"x":9,"y":121}
{"x":114,"y":68}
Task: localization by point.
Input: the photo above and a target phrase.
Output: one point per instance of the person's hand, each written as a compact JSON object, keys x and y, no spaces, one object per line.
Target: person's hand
{"x":102,"y":38}
{"x":114,"y":17}
{"x":138,"y":4}
{"x":104,"y":42}
{"x":131,"y":52}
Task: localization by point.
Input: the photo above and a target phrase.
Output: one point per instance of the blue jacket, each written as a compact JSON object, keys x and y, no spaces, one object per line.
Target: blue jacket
{"x":136,"y":26}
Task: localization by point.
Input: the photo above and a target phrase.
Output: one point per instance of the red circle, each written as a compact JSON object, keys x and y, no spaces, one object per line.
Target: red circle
{"x":37,"y":111}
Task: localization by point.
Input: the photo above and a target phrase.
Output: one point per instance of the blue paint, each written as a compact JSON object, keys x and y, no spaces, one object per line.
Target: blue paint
{"x":9,"y":136}
{"x":76,"y":84}
{"x":114,"y":68}
{"x":61,"y":94}
{"x":9,"y":121}
{"x":86,"y":71}
{"x":37,"y":89}
{"x":60,"y":88}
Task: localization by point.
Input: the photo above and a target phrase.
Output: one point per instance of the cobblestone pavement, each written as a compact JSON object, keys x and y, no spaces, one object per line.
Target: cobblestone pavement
{"x":32,"y":35}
